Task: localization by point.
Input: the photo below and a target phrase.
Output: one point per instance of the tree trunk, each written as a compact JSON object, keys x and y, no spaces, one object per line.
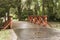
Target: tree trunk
{"x":8,"y":14}
{"x":7,"y":11}
{"x":43,"y":7}
{"x":19,"y":13}
{"x":19,"y":10}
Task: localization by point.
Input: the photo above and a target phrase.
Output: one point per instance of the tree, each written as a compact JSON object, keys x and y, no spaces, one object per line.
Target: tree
{"x":6,"y":4}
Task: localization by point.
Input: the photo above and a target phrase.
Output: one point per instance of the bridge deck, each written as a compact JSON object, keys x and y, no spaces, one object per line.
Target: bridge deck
{"x":30,"y":31}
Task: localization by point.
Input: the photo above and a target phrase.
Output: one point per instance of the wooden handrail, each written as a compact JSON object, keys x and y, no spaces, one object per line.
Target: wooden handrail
{"x":8,"y":23}
{"x":40,"y":20}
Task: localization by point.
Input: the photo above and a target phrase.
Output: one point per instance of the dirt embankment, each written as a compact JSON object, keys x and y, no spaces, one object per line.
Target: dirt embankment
{"x":55,"y":24}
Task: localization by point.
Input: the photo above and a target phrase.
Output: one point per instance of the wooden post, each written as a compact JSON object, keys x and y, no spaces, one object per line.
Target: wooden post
{"x":10,"y":18}
{"x":34,"y":19}
{"x":44,"y":21}
{"x":38,"y":20}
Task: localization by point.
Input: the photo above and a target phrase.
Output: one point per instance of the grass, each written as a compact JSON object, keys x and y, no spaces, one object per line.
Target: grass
{"x":5,"y":35}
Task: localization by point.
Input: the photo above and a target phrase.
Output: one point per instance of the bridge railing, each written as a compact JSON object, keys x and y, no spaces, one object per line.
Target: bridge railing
{"x":8,"y":23}
{"x":40,"y":20}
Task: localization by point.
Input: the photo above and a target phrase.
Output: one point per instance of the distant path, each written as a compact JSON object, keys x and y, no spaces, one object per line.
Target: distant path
{"x":30,"y":31}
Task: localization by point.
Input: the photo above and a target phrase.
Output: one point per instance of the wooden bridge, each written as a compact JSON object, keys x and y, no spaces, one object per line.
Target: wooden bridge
{"x":39,"y":20}
{"x":30,"y":30}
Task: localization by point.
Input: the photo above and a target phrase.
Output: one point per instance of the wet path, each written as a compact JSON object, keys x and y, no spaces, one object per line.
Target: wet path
{"x":36,"y":32}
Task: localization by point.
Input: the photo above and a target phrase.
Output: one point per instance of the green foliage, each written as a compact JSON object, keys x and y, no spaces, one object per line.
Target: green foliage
{"x":21,"y":9}
{"x":2,"y":10}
